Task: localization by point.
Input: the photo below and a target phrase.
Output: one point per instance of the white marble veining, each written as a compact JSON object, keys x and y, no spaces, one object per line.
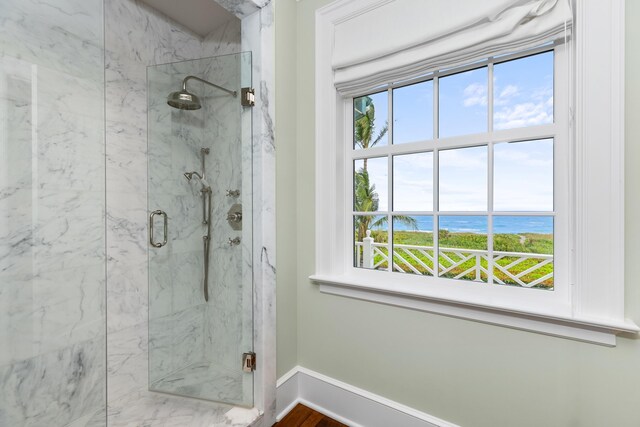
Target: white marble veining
{"x":52,"y":211}
{"x":161,"y":410}
{"x":128,"y":363}
{"x":223,"y":41}
{"x":54,"y":388}
{"x":242,"y":8}
{"x":204,"y":379}
{"x":49,"y":312}
{"x":258,"y":37}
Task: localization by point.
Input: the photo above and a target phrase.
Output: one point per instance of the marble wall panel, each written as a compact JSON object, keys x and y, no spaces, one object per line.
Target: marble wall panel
{"x":65,"y":35}
{"x":176,"y":341}
{"x":127,"y":300}
{"x":54,"y":388}
{"x":136,"y":37}
{"x":258,"y":37}
{"x":224,"y":40}
{"x":224,"y":134}
{"x":49,"y":312}
{"x":52,"y":282}
{"x":128,"y":363}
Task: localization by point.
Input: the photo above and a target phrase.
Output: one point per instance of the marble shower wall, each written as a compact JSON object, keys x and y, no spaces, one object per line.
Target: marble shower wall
{"x":138,"y":37}
{"x":52,"y":256}
{"x":229,"y":310}
{"x":54,"y":95}
{"x":259,"y":38}
{"x":219,"y":330}
{"x":176,"y":310}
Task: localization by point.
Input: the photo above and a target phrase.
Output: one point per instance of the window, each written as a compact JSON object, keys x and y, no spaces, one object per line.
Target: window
{"x":524,"y":171}
{"x":489,"y":218}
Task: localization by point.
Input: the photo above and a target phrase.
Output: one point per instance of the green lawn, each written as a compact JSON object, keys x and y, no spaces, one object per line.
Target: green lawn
{"x":523,"y":243}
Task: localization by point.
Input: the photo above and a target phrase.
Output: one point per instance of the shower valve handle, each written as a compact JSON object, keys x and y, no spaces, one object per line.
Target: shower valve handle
{"x":234,"y":242}
{"x":234,"y":217}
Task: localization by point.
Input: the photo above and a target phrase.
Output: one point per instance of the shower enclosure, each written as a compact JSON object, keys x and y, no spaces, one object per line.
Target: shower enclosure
{"x":200,"y":229}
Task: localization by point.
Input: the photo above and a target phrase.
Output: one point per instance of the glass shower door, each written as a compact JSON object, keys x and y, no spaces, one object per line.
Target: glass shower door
{"x":200,"y":248}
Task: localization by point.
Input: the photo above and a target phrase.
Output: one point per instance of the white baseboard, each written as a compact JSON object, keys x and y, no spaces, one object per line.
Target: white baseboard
{"x":345,"y":403}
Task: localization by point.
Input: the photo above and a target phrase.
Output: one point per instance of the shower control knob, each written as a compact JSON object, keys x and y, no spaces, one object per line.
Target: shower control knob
{"x":234,"y":217}
{"x":234,"y":242}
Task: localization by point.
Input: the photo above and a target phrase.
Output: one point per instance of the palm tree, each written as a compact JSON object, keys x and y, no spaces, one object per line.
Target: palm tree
{"x":366,"y":200}
{"x":364,"y":116}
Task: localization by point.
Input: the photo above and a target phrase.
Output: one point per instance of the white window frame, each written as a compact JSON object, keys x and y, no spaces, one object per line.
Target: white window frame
{"x":589,"y":304}
{"x":553,"y":301}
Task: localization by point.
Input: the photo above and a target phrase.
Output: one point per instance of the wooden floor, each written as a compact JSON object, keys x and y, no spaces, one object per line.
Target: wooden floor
{"x":302,"y":416}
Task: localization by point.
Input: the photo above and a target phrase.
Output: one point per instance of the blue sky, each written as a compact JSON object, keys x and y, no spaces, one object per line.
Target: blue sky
{"x":523,"y":173}
{"x":413,"y":113}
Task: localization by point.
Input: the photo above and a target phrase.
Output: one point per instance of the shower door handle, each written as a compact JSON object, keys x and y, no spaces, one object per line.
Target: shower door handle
{"x":166,"y":228}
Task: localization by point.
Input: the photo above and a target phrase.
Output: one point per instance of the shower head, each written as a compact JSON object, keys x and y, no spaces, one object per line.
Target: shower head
{"x":190,"y":175}
{"x":185,"y":100}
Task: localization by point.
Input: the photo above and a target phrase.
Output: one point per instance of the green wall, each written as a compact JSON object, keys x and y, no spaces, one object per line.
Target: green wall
{"x":285,"y":93}
{"x":465,"y":372}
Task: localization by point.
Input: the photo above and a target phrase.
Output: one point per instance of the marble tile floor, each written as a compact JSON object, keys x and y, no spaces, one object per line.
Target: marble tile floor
{"x":205,"y":380}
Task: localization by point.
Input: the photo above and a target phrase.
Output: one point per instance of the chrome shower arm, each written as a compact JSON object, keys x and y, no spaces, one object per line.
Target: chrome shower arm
{"x":184,"y":85}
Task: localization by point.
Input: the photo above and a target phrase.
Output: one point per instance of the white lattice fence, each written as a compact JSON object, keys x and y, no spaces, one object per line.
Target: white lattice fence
{"x":509,"y":267}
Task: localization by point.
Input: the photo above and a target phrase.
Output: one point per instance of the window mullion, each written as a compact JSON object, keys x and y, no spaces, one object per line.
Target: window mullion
{"x":436,"y":217}
{"x":490,"y":216}
{"x":390,"y":182}
{"x":490,"y":101}
{"x":436,"y":185}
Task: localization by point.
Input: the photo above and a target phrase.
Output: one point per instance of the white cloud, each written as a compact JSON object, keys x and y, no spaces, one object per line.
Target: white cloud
{"x":475,"y":94}
{"x":534,"y":154}
{"x":506,"y":94}
{"x":524,"y":114}
{"x":463,"y":179}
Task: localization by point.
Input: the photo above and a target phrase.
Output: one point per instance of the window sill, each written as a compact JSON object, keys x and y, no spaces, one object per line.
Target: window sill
{"x":593,"y":330}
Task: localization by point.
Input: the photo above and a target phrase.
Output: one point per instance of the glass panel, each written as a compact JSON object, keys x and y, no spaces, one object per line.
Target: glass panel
{"x":202,"y":278}
{"x":523,"y":176}
{"x":463,"y":103}
{"x":463,"y":179}
{"x":413,"y":182}
{"x":370,"y":185}
{"x":370,"y":242}
{"x":413,"y":113}
{"x":370,"y":120}
{"x":523,"y":251}
{"x":523,"y":92}
{"x":463,"y":247}
{"x":52,"y":214}
{"x":413,"y":244}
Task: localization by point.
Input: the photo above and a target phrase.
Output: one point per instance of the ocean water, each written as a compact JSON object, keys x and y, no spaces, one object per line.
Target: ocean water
{"x":478,"y":224}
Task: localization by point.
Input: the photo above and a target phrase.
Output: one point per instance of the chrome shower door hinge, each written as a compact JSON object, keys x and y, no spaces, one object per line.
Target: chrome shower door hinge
{"x":248,"y":98}
{"x":249,"y":362}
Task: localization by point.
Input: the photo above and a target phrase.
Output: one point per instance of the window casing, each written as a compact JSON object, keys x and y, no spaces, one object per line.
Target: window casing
{"x":588,"y":300}
{"x":557,"y":131}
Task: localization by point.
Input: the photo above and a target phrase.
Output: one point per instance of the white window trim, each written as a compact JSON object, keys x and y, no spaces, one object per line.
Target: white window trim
{"x":595,"y":310}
